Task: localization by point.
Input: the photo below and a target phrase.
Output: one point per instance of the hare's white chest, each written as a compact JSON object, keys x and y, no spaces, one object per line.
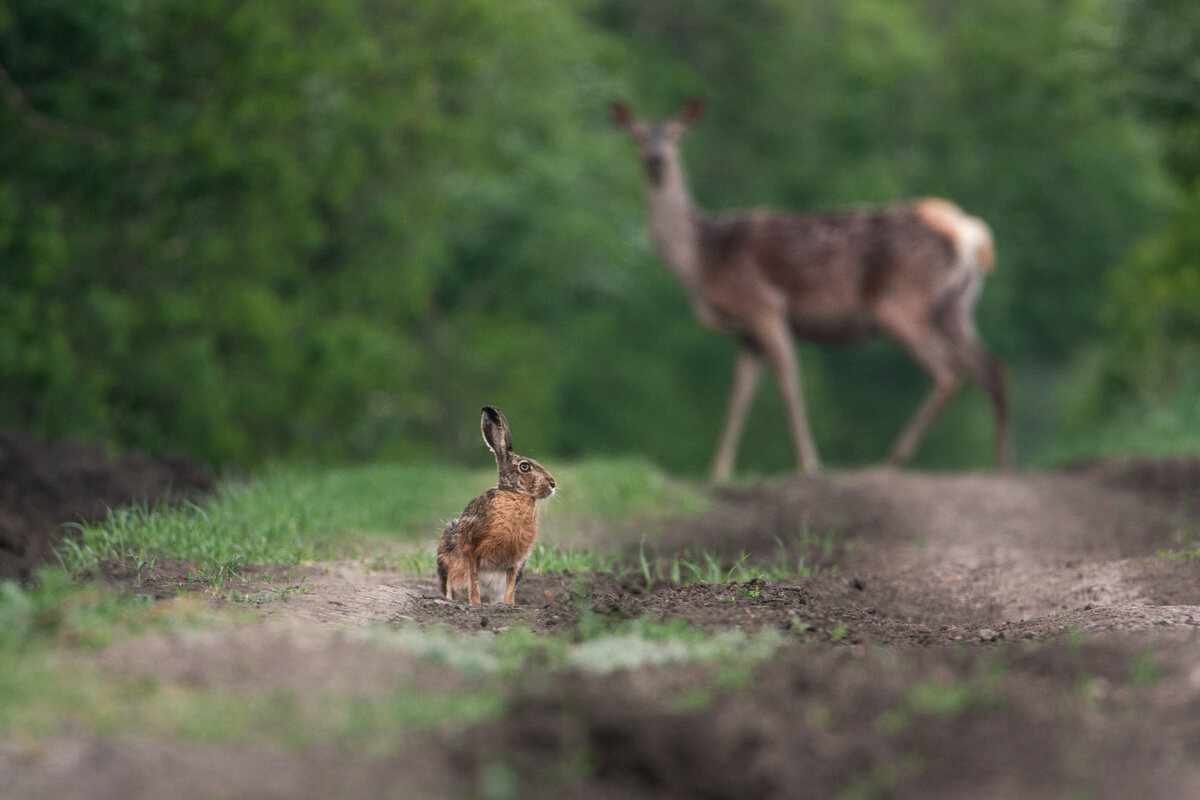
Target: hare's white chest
{"x":492,"y":583}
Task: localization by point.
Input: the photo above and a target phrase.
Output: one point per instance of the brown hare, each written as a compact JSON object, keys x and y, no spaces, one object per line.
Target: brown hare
{"x":492,"y":537}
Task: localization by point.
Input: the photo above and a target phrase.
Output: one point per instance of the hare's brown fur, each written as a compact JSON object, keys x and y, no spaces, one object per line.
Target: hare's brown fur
{"x":495,"y":532}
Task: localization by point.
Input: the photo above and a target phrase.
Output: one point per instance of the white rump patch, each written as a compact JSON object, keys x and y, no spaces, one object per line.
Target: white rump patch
{"x":971,"y":236}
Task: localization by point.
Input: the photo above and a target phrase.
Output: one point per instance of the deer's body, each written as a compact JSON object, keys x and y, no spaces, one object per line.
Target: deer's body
{"x":828,"y":270}
{"x":912,"y":271}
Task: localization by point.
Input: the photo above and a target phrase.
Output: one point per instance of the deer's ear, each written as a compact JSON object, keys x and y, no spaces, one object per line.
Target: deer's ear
{"x":693,"y":110}
{"x":621,"y":115}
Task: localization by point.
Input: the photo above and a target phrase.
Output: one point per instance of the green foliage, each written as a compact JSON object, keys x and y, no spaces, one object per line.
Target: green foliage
{"x":290,"y":222}
{"x":1109,"y":415}
{"x":1157,"y":66}
{"x":1137,"y":390}
{"x":333,"y":230}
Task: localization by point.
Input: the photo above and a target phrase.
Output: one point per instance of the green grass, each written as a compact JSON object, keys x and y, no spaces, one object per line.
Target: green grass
{"x":623,"y":488}
{"x":289,"y":515}
{"x":391,"y":517}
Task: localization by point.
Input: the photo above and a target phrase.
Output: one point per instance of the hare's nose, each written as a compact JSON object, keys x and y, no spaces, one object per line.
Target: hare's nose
{"x":551,"y":480}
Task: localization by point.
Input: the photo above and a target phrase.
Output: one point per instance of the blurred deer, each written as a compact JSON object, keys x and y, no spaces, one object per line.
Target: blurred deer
{"x":911,"y":271}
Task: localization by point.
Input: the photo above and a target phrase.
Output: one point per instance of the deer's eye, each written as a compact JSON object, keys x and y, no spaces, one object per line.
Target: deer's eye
{"x":524,"y":466}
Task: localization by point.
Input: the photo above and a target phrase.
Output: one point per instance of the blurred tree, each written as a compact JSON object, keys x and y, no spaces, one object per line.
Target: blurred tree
{"x":335,"y":229}
{"x":299,"y":229}
{"x":1155,"y":63}
{"x":1150,"y":353}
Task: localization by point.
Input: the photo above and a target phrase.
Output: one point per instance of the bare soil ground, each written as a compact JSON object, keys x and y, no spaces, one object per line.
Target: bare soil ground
{"x":982,"y":635}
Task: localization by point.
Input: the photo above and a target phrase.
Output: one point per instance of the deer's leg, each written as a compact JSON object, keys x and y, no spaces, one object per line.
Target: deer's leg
{"x":990,"y":374}
{"x":929,"y":347}
{"x":944,"y":388}
{"x":776,"y":340}
{"x":745,"y":381}
{"x":983,"y":367}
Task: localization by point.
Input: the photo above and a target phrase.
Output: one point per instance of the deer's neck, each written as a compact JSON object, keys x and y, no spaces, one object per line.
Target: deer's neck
{"x":673,"y":223}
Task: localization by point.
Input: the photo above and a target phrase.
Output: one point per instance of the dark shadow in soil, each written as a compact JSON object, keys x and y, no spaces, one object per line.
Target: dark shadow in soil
{"x":44,"y":485}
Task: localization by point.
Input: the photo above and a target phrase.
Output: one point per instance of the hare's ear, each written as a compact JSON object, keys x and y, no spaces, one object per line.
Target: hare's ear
{"x":496,"y":434}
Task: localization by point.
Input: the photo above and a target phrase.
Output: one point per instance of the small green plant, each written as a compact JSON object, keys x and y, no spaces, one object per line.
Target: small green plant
{"x":1180,"y":555}
{"x":143,"y":564}
{"x":543,"y":559}
{"x":644,"y":565}
{"x":1143,"y":670}
{"x":926,"y":699}
{"x":269,"y":594}
{"x":694,"y":566}
{"x":707,"y":567}
{"x":213,"y":575}
{"x":809,"y":541}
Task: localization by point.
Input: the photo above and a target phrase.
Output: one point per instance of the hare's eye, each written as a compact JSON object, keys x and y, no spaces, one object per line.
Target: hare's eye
{"x":524,"y":466}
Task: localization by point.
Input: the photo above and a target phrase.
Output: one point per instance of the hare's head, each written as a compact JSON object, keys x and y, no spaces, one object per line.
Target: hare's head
{"x":517,"y":473}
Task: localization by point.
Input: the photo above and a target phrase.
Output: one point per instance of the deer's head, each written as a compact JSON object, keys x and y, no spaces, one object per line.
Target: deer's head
{"x":657,"y":142}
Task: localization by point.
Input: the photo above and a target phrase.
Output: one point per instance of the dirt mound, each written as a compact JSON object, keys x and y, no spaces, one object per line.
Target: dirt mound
{"x":1018,"y":635}
{"x":903,"y":558}
{"x":918,"y":723}
{"x":46,"y":484}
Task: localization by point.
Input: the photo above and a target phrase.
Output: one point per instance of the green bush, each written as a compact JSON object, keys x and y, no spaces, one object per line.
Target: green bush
{"x":334,"y":229}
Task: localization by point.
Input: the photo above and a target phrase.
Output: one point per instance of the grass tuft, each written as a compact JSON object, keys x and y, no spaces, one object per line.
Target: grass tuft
{"x":289,"y":515}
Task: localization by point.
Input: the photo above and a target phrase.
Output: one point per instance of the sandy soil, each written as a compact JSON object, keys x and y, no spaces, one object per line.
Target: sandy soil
{"x":982,"y":635}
